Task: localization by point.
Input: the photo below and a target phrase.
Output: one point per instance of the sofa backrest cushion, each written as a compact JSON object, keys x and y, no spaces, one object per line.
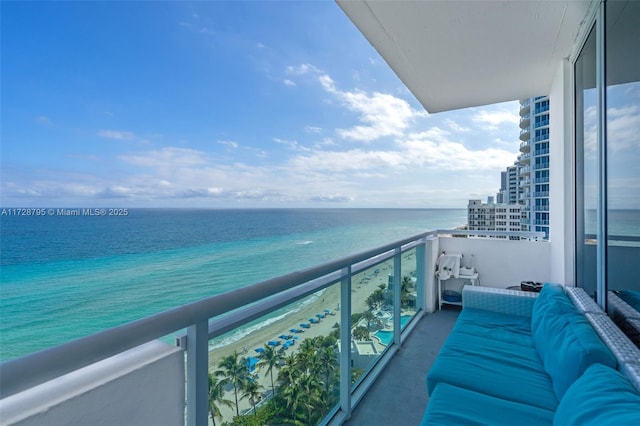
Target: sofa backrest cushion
{"x":551,"y":300}
{"x":602,"y":396}
{"x":564,"y":339}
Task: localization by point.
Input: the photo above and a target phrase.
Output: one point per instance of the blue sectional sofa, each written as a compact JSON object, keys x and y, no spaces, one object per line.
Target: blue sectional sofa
{"x":522,"y":358}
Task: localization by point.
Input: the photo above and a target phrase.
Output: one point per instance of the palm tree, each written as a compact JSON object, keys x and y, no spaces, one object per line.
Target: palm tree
{"x":252,"y":390}
{"x":369,"y":317}
{"x":270,"y":359}
{"x":216,"y":396}
{"x":289,"y":373}
{"x":329,"y":363}
{"x":293,"y":396}
{"x":234,"y":370}
{"x":360,"y":333}
{"x":405,"y":290}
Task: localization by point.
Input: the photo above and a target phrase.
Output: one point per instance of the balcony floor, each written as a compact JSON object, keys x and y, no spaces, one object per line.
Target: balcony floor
{"x":399,"y":396}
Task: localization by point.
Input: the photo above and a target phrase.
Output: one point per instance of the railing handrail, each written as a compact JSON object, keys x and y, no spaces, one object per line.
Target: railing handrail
{"x":31,"y":370}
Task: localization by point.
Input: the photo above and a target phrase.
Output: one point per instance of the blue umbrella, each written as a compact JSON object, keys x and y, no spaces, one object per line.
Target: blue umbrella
{"x":251,"y":363}
{"x":259,"y":350}
{"x":305,"y":325}
{"x":273,"y":343}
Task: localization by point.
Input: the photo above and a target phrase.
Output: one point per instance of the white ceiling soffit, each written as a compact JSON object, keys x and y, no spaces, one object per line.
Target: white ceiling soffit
{"x":458,"y":54}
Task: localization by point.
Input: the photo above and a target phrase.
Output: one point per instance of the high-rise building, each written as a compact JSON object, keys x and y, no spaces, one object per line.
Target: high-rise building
{"x":526,"y":183}
{"x":502,"y":195}
{"x":493,"y":217}
{"x":533,"y":167}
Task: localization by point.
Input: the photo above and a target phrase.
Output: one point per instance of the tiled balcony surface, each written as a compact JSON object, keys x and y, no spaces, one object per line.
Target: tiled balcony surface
{"x":399,"y":396}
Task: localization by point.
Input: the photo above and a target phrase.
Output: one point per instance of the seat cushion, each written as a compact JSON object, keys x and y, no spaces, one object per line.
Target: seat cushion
{"x":451,"y":405}
{"x":493,"y":367}
{"x":496,"y":326}
{"x":601,"y":396}
{"x":568,"y":345}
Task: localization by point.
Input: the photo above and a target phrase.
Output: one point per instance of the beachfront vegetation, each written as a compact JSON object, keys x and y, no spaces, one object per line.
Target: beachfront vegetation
{"x":216,"y":397}
{"x":253,"y":391}
{"x":361,"y":333}
{"x":307,"y":385}
{"x":233,"y":370}
{"x":270,"y":358}
{"x":405,"y":292}
{"x":376,"y":300}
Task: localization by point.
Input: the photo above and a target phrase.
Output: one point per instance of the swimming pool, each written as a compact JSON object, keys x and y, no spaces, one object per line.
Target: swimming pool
{"x":385,"y":337}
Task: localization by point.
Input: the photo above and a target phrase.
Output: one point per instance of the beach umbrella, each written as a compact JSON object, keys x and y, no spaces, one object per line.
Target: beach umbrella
{"x":259,"y":350}
{"x":273,"y":343}
{"x":251,"y":363}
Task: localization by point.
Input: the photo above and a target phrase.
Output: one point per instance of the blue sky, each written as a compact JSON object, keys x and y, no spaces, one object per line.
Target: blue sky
{"x":226,"y":104}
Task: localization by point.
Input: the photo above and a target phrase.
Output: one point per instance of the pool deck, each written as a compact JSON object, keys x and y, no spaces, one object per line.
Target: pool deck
{"x":399,"y":396}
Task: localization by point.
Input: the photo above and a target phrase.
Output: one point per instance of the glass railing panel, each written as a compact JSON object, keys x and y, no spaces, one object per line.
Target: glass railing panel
{"x":372,"y":328}
{"x":409,"y":287}
{"x":282,"y":368}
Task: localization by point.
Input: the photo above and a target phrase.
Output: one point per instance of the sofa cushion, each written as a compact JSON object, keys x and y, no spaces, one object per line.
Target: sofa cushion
{"x":451,"y":405}
{"x":496,"y":326}
{"x":493,"y":367}
{"x":602,"y":396}
{"x":552,"y":300}
{"x":568,"y":345}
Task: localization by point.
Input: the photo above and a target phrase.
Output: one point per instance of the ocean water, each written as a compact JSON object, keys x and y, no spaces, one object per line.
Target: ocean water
{"x":64,"y":277}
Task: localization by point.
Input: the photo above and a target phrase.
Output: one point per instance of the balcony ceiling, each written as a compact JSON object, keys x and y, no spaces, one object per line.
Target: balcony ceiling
{"x":459,"y":54}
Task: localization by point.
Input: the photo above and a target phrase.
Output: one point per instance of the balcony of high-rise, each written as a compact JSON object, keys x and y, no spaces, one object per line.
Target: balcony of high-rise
{"x":365,"y":356}
{"x":541,"y":165}
{"x":525,"y":107}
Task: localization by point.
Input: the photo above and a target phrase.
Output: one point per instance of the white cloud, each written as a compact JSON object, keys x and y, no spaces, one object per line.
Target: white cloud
{"x":117,"y":134}
{"x":345,"y":161}
{"x":167,"y":157}
{"x":230,"y":144}
{"x":289,"y":83}
{"x":623,"y":127}
{"x":312,"y":129}
{"x":381,"y":114}
{"x":455,"y":126}
{"x":291,"y":144}
{"x":302,"y":69}
{"x":491,"y":120}
{"x":430,"y":149}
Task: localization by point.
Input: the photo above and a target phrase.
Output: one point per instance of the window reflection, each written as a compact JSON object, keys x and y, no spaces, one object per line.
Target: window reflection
{"x":586,"y":165}
{"x":623,"y":148}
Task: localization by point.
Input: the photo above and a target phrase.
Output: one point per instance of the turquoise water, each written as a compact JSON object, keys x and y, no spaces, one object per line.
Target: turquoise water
{"x":386,"y":337}
{"x":67,"y":277}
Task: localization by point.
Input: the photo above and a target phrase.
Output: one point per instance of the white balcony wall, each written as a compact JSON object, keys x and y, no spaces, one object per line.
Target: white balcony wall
{"x":561,"y":177}
{"x":502,"y":263}
{"x":431,"y":287}
{"x":142,"y":386}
